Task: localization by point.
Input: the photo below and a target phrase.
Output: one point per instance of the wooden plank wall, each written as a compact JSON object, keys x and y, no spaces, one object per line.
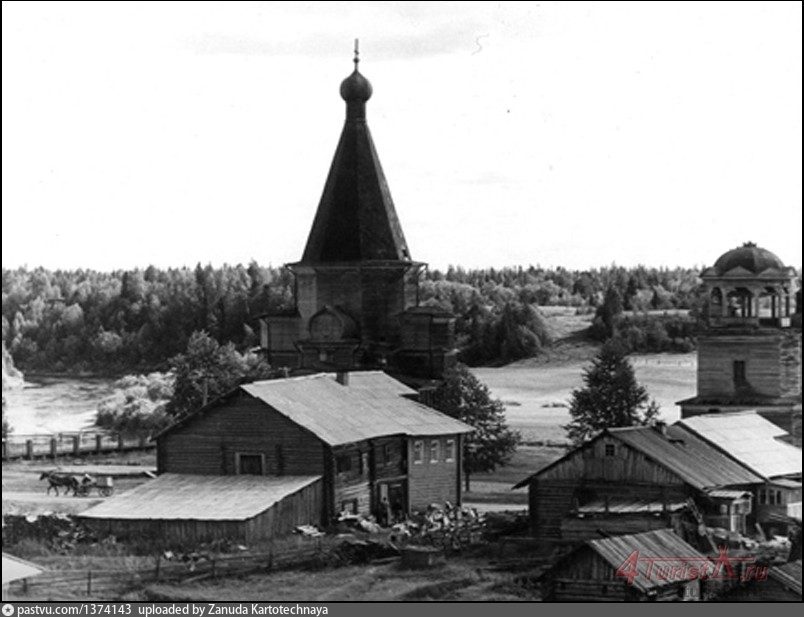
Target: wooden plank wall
{"x":354,"y":483}
{"x":207,"y":444}
{"x":304,"y":507}
{"x":430,"y":482}
{"x":762,"y":354}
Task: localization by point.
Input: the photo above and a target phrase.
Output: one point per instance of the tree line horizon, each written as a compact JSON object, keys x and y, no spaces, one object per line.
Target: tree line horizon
{"x":86,"y":320}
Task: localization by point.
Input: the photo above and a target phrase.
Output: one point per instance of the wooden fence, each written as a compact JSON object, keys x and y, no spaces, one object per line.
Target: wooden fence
{"x":30,"y":447}
{"x":111,"y":584}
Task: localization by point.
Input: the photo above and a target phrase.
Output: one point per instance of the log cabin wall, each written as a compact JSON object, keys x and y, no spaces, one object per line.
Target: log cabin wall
{"x":351,"y":485}
{"x":772,"y":363}
{"x":590,"y":473}
{"x":209,"y":443}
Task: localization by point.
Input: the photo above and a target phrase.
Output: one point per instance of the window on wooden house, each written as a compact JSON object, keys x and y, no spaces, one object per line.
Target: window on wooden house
{"x":280,"y":459}
{"x":738,"y":368}
{"x":762,"y":496}
{"x":449,"y":452}
{"x":363,"y":463}
{"x":386,"y":454}
{"x":610,"y":449}
{"x":349,"y":505}
{"x":250,"y":464}
{"x":779,"y":501}
{"x":418,"y":452}
{"x":771,"y":498}
{"x":435,"y":447}
{"x":343,"y":463}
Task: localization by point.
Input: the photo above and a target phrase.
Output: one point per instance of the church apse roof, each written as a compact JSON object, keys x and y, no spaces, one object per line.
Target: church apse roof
{"x":356,"y":220}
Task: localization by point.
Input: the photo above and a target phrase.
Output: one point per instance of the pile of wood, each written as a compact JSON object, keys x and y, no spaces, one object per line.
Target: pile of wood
{"x":448,"y":527}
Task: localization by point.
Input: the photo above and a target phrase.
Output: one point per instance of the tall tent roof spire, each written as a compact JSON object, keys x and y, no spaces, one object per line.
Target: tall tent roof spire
{"x":356,"y":219}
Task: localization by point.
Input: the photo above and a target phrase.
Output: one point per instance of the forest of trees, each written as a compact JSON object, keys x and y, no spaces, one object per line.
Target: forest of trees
{"x":125,"y":321}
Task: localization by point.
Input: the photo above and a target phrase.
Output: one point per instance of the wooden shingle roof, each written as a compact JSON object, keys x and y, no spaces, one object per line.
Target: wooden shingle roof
{"x":356,"y":220}
{"x":660,"y":546}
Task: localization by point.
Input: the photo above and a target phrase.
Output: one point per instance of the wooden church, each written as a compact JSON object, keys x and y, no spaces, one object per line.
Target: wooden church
{"x":356,"y":285}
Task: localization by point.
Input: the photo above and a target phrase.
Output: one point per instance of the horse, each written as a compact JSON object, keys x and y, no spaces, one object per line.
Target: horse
{"x":55,"y":480}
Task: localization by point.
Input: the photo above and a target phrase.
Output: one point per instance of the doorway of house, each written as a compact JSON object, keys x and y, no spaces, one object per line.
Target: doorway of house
{"x":396,"y":494}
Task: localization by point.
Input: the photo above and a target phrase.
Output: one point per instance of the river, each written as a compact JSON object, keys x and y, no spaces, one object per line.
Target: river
{"x":55,"y":404}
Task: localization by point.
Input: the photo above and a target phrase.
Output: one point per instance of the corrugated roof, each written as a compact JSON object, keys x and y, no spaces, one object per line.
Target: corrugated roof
{"x":750,"y":439}
{"x":788,"y":575}
{"x":201,"y":498}
{"x":15,"y":569}
{"x":372,"y":405}
{"x":630,"y":506}
{"x":690,"y":458}
{"x":662,"y":545}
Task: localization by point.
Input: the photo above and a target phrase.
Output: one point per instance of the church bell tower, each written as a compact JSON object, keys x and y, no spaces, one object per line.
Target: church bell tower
{"x":749,"y":355}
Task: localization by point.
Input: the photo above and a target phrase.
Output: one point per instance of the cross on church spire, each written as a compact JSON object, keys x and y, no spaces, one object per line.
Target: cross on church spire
{"x":357,"y":53}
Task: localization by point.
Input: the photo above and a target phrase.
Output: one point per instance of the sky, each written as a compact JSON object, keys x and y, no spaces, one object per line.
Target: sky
{"x":511,"y":133}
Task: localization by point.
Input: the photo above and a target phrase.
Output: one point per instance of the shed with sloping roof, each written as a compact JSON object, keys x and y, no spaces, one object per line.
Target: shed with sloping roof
{"x":655,"y":565}
{"x":189,"y":508}
{"x":364,"y":433}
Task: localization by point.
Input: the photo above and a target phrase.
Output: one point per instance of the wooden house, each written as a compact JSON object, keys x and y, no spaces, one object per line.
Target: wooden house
{"x":783,"y":584}
{"x":651,"y":566}
{"x":761,"y":446}
{"x":332,"y":443}
{"x":638,"y":479}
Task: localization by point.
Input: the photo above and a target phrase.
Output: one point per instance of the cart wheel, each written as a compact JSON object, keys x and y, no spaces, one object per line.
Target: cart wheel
{"x":105,"y":491}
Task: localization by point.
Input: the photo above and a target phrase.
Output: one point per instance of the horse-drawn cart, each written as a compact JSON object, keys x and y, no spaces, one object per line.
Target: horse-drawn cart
{"x":103,"y":484}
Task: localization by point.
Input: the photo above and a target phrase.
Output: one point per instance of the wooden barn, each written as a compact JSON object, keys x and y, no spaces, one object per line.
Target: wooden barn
{"x":651,"y":566}
{"x":294,"y":451}
{"x":635,"y":479}
{"x":185,"y":508}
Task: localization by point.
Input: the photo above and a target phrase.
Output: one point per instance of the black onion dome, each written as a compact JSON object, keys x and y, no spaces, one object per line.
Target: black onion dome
{"x":356,"y":88}
{"x":749,"y":257}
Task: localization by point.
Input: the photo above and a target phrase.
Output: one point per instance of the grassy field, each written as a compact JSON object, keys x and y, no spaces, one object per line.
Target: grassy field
{"x":464,"y":579}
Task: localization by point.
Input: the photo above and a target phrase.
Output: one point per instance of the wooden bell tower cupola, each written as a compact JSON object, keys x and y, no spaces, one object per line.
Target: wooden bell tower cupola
{"x":749,"y":354}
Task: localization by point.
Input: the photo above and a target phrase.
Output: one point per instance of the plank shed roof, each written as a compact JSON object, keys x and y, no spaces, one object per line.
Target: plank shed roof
{"x":662,"y":545}
{"x":202,"y":498}
{"x":693,"y":460}
{"x":15,"y":569}
{"x":788,"y":575}
{"x":371,"y":405}
{"x":749,"y":439}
